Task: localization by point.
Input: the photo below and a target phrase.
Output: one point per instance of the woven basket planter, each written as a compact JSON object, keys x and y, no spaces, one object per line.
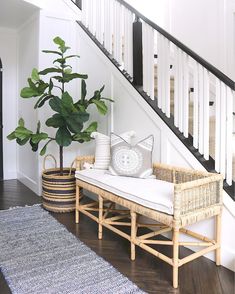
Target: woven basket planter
{"x":58,"y":192}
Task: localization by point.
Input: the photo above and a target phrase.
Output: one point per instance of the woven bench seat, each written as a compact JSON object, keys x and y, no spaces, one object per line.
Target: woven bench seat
{"x":177,"y":198}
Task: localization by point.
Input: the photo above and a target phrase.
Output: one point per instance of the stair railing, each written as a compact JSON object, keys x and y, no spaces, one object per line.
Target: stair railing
{"x":115,"y":24}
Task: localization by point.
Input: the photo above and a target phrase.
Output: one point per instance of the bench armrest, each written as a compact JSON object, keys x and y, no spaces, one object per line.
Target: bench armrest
{"x":197,"y":195}
{"x":80,"y":160}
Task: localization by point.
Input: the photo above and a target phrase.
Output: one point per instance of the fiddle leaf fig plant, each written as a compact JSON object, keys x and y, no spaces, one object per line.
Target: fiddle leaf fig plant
{"x":69,"y":115}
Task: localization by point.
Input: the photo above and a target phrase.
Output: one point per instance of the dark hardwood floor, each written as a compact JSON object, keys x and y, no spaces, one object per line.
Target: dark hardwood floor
{"x":152,"y":275}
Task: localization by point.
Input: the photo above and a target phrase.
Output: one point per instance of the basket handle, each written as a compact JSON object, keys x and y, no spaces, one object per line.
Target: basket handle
{"x":72,"y":164}
{"x":44,"y":160}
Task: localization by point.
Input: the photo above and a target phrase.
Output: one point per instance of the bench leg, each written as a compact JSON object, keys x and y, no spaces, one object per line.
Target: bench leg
{"x":77,"y":204}
{"x":218,"y":238}
{"x":175,"y":256}
{"x":133,"y":234}
{"x":100,"y":230}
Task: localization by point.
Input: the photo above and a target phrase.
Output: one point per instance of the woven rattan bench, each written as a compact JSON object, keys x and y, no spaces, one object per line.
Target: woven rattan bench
{"x":196,"y":196}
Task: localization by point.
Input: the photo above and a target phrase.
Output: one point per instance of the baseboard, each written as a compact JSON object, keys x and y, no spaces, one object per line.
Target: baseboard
{"x":228,"y":258}
{"x":31,"y":184}
{"x":9,"y":175}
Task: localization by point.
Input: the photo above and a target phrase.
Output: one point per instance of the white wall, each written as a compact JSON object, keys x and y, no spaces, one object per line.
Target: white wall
{"x":8,"y":55}
{"x":27,"y":59}
{"x":132,"y":112}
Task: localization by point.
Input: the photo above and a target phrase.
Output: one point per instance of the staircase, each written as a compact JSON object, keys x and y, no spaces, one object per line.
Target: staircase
{"x":212,"y":119}
{"x":190,"y":95}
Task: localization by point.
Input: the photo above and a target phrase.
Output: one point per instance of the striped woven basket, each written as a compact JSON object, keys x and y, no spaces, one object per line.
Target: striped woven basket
{"x":58,"y":192}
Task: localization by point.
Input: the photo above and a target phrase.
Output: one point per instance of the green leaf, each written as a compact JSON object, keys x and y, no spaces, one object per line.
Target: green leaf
{"x":92,"y":127}
{"x":38,"y":127}
{"x":61,"y":43}
{"x":11,"y":136}
{"x":63,"y":137}
{"x":57,"y":40}
{"x":41,"y":101}
{"x":36,"y":138}
{"x":64,"y":49}
{"x":101,"y":106}
{"x":22,"y":142}
{"x":66,"y":98}
{"x":68,"y":70}
{"x":63,"y":60}
{"x":21,"y":122}
{"x":53,"y":52}
{"x":76,"y":120}
{"x":22,"y":133}
{"x":55,"y":104}
{"x":50,"y":70}
{"x":32,"y":85}
{"x":50,"y":87}
{"x":35,"y":75}
{"x":60,"y":60}
{"x":44,"y":149}
{"x":56,"y":121}
{"x":71,"y":56}
{"x":33,"y":145}
{"x":42,"y":87}
{"x":81,"y":107}
{"x":102,"y":88}
{"x":108,"y":99}
{"x":83,"y":90}
{"x":69,"y":77}
{"x":28,"y":92}
{"x":82,"y":137}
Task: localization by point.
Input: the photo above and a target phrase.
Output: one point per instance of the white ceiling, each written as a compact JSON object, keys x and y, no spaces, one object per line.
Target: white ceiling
{"x":13,"y":13}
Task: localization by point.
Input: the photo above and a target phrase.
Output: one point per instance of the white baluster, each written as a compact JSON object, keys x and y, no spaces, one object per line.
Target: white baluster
{"x":144,"y":55}
{"x":217,"y":125}
{"x":163,"y":73}
{"x":98,"y":19}
{"x":229,"y":136}
{"x":102,"y":24}
{"x":90,"y":20}
{"x":195,"y":106}
{"x":206,"y":118}
{"x":118,"y":33}
{"x":147,"y":44}
{"x":201,"y":112}
{"x":223,"y":98}
{"x":159,"y":70}
{"x":176,"y":86}
{"x":115,"y":21}
{"x":130,"y":47}
{"x":181,"y":114}
{"x":128,"y":41}
{"x":185,"y":107}
{"x":167,"y":78}
{"x":84,"y":11}
{"x":108,"y":27}
{"x":150,"y":61}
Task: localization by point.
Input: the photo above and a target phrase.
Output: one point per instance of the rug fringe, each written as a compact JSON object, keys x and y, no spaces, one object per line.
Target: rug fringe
{"x":25,"y":206}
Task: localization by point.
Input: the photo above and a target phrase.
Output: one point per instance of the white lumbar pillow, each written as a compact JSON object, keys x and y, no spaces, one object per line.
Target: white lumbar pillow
{"x":102,"y":149}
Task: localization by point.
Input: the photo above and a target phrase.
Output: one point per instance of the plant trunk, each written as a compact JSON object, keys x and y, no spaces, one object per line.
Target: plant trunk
{"x":61,"y":160}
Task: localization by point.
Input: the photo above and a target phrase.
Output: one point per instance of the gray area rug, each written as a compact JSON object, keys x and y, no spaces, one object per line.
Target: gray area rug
{"x":39,"y":255}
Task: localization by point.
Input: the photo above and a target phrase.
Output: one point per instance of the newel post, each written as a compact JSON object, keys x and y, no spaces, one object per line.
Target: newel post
{"x":137,"y":53}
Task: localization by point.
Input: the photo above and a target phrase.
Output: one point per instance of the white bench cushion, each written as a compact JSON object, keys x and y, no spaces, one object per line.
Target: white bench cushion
{"x":152,"y":193}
